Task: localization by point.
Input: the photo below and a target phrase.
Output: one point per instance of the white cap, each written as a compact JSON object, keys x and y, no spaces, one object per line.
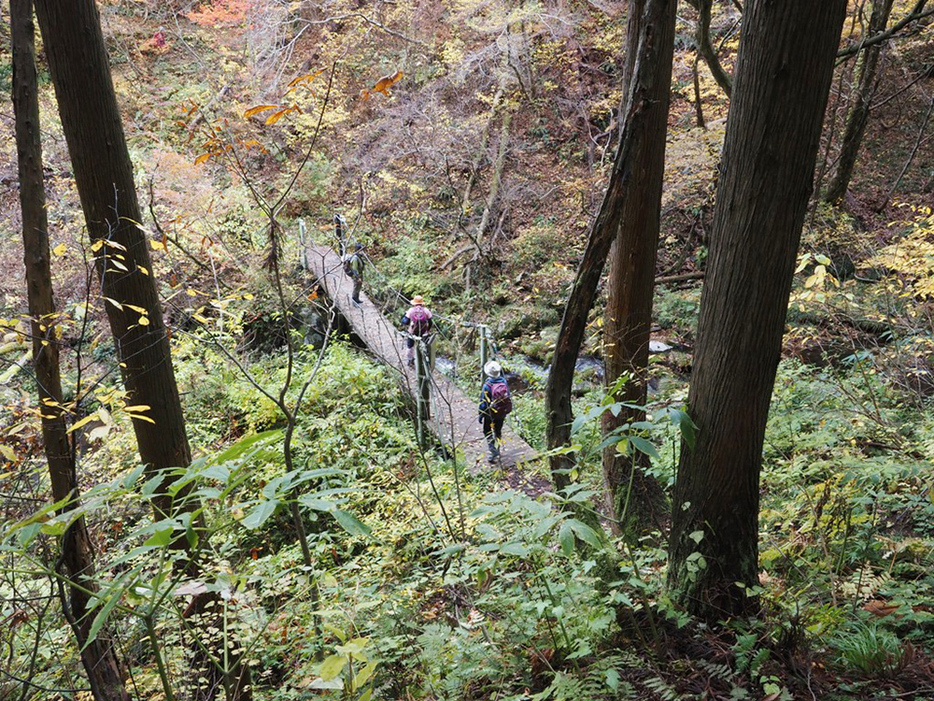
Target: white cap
{"x":493,"y":369}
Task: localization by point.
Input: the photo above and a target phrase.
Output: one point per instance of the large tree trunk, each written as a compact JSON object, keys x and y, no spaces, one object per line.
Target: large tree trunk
{"x":98,"y":658}
{"x":858,"y":116}
{"x":636,"y":500}
{"x":80,"y":72}
{"x":637,"y":138}
{"x":783,"y":75}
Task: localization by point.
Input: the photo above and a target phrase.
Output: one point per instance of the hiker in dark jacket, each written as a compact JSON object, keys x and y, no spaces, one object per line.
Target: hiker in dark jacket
{"x":495,"y":404}
{"x":353,"y":266}
{"x":417,"y":323}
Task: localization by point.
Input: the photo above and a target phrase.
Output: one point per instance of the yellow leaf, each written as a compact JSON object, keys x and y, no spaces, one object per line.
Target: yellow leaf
{"x":156,"y":245}
{"x":276,"y":116}
{"x":202,"y":158}
{"x":7,"y":452}
{"x":138,"y":310}
{"x":60,"y":249}
{"x":137,"y":407}
{"x":260,"y":108}
{"x":78,"y":424}
{"x":143,"y":321}
{"x":140,"y":417}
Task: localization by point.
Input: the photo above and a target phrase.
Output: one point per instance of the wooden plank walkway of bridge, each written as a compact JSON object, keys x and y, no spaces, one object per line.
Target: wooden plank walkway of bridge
{"x":453,"y":413}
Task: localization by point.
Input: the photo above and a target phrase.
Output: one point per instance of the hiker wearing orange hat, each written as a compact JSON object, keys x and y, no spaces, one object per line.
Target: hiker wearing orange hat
{"x":417,"y":322}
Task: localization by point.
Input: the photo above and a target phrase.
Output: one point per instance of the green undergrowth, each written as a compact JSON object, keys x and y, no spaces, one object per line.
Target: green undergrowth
{"x":427,"y":582}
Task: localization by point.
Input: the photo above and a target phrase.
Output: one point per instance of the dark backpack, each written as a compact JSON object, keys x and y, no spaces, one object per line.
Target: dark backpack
{"x":500,"y":399}
{"x":353,"y":264}
{"x":419,"y":321}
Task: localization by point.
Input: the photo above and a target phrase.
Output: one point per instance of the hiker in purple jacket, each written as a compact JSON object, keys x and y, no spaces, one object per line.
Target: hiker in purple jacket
{"x":417,"y":322}
{"x":495,"y":404}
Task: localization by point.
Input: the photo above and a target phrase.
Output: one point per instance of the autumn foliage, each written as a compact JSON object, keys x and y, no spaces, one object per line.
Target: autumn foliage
{"x":220,"y":13}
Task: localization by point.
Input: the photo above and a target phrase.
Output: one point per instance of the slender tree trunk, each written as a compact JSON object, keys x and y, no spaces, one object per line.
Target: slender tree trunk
{"x":705,"y":47}
{"x":636,"y":500}
{"x":783,"y":75}
{"x":859,"y":113}
{"x":98,"y":658}
{"x":87,"y":103}
{"x":636,"y":137}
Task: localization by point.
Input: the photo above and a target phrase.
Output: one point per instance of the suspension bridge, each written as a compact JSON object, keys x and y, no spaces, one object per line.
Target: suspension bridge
{"x":452,"y":417}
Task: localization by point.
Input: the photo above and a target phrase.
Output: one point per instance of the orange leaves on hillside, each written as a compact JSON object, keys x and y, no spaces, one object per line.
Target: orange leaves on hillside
{"x":279,"y":113}
{"x":382,"y":85}
{"x":220,"y":13}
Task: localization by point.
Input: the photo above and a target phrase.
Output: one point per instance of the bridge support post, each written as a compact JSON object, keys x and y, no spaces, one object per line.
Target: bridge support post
{"x":484,"y":349}
{"x":423,"y":393}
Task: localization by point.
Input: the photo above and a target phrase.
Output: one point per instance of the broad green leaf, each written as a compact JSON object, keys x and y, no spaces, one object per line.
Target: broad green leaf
{"x":160,"y":538}
{"x":363,"y":676}
{"x":54,"y":527}
{"x":684,"y":423}
{"x":612,"y":439}
{"x":221,"y":472}
{"x":545,"y":525}
{"x":517,"y":549}
{"x":353,"y":648}
{"x":332,"y":667}
{"x":314,"y":503}
{"x":584,"y":532}
{"x":260,"y":513}
{"x":644,"y":446}
{"x":244,"y":444}
{"x":132,"y":476}
{"x":27,"y":533}
{"x":150,"y":486}
{"x":350,"y":523}
{"x":566,"y":538}
{"x":101,"y":618}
